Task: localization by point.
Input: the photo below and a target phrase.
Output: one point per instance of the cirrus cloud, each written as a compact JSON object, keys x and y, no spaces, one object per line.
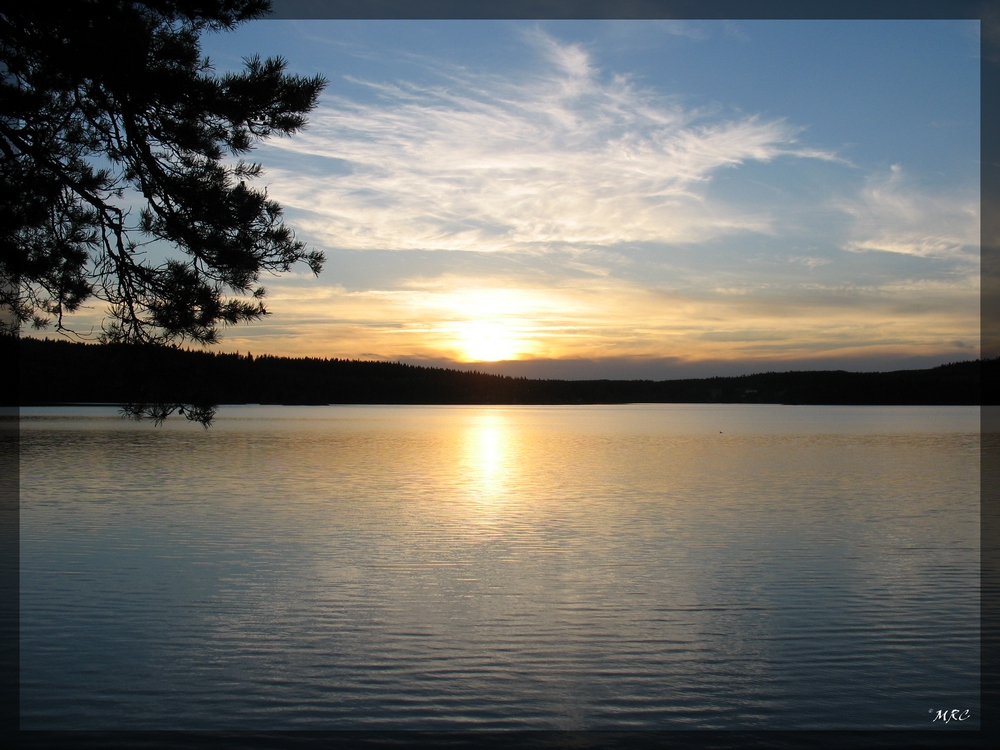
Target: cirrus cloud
{"x":487,"y":163}
{"x":893,"y":215}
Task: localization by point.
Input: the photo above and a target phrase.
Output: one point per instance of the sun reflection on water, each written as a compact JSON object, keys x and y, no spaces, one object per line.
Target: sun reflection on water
{"x":489,"y":457}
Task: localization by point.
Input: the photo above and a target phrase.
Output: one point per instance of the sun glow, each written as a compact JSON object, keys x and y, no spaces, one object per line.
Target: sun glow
{"x":485,"y":341}
{"x":491,"y":325}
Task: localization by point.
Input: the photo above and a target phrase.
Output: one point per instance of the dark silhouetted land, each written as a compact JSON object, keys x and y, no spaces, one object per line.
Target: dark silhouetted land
{"x":54,"y":372}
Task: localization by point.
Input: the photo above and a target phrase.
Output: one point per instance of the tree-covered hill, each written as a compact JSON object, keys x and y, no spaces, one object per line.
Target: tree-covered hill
{"x":69,"y":372}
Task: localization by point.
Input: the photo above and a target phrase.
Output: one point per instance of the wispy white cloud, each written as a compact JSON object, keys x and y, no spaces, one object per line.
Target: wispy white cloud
{"x":809,"y":261}
{"x":893,"y":215}
{"x":481,"y":162}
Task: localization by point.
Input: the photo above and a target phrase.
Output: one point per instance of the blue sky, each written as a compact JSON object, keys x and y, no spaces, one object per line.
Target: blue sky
{"x":628,"y":198}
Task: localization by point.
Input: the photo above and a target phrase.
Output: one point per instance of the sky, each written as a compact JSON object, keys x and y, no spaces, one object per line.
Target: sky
{"x":624,"y":199}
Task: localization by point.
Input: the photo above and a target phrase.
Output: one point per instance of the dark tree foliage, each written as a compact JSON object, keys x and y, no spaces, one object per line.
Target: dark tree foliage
{"x":121,"y":146}
{"x":207,"y":377}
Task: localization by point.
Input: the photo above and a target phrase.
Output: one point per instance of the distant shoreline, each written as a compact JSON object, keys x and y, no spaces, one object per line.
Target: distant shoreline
{"x":66,"y":372}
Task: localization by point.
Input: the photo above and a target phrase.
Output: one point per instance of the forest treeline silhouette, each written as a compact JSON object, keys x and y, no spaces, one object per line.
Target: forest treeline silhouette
{"x":56,"y":371}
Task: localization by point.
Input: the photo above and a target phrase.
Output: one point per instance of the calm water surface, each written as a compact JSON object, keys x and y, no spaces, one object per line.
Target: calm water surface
{"x":641,"y":566}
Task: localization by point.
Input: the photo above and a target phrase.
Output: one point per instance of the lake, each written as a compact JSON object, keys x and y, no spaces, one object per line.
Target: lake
{"x":664,"y":566}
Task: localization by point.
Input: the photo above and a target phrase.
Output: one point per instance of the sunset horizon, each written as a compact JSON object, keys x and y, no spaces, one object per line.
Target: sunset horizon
{"x":619,"y":199}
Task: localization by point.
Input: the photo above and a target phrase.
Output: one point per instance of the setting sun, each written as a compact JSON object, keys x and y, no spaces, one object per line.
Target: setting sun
{"x":484,"y":341}
{"x":489,"y":325}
